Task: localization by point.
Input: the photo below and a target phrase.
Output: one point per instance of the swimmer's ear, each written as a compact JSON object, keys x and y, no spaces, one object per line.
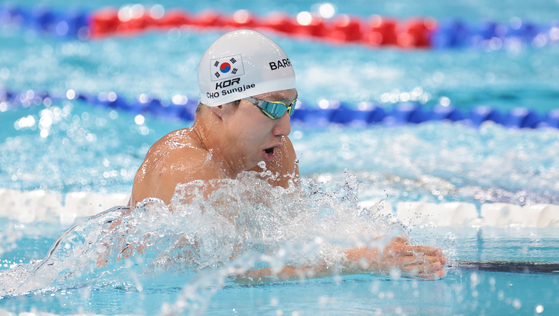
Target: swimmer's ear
{"x":217,"y":110}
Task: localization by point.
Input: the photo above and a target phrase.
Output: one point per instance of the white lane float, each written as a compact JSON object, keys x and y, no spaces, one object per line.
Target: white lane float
{"x":455,"y":214}
{"x":501,"y":215}
{"x":81,"y":204}
{"x":507,"y":215}
{"x":545,"y":215}
{"x":40,"y":205}
{"x":29,"y":206}
{"x":460,"y":214}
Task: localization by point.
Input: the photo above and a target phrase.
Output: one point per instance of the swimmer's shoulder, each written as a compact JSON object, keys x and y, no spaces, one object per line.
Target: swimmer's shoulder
{"x":175,"y":158}
{"x":179,"y":151}
{"x":179,"y":142}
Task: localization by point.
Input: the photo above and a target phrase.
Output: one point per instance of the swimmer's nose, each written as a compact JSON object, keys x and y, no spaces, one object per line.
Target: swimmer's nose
{"x":283,"y":125}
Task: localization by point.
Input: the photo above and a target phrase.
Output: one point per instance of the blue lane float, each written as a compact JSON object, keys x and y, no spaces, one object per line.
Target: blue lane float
{"x":441,"y":113}
{"x":71,"y":23}
{"x":491,"y":35}
{"x":451,"y":34}
{"x":365,"y":113}
{"x":551,"y":119}
{"x":522,"y":118}
{"x":326,"y":113}
{"x":483,"y":113}
{"x":406,"y":113}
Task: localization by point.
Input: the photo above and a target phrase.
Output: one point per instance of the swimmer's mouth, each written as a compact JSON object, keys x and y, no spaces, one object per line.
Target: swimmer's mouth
{"x":269,"y":153}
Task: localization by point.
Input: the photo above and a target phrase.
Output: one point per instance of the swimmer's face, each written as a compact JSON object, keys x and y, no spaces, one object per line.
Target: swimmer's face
{"x":255,"y":137}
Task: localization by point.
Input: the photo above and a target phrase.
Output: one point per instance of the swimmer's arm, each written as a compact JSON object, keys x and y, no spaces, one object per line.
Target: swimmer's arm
{"x":420,"y":261}
{"x":284,"y":164}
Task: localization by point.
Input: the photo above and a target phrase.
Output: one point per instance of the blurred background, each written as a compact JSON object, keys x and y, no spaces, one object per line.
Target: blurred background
{"x":162,"y":63}
{"x":501,"y":54}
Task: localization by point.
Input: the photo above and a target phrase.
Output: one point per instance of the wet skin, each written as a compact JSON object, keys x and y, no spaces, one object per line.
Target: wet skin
{"x":223,"y":142}
{"x":227,"y":140}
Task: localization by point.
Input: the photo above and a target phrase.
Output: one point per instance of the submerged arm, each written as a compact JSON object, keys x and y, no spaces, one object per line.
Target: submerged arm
{"x":422,"y":261}
{"x":398,"y":255}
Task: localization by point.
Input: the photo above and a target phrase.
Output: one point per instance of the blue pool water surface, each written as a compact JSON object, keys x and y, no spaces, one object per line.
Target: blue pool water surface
{"x":94,"y":149}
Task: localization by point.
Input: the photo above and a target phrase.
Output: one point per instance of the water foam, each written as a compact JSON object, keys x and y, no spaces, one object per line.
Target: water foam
{"x":244,"y":225}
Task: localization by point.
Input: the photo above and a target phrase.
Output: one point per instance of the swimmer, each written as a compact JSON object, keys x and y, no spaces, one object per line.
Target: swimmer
{"x":247,"y":94}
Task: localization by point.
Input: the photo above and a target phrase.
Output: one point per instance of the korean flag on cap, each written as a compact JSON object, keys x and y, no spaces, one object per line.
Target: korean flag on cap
{"x":227,"y":67}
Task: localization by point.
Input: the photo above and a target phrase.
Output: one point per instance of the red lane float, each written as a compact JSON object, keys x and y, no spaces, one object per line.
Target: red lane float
{"x":243,"y":19}
{"x":308,"y":25}
{"x":346,"y":29}
{"x":376,"y":31}
{"x":416,"y":33}
{"x":104,"y":22}
{"x":279,"y":22}
{"x":381,"y":31}
{"x":136,"y":25}
{"x":174,"y":19}
{"x":208,"y":19}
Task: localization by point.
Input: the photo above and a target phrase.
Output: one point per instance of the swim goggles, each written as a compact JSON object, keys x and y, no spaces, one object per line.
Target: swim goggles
{"x":273,"y":109}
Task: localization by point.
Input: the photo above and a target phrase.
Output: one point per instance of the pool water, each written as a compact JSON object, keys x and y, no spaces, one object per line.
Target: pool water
{"x":75,"y":147}
{"x":463,"y":293}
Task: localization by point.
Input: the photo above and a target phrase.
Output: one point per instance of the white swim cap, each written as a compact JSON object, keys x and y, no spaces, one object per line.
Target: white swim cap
{"x":241,"y":64}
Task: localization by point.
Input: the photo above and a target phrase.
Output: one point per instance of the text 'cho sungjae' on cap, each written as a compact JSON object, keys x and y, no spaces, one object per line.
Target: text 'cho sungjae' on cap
{"x":242,"y":64}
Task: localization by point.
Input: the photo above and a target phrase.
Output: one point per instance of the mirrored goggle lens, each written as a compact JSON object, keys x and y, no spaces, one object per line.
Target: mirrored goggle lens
{"x":274,"y":109}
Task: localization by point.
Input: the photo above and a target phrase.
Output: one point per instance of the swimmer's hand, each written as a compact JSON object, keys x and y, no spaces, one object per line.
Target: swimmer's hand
{"x":420,"y":261}
{"x":397,"y":256}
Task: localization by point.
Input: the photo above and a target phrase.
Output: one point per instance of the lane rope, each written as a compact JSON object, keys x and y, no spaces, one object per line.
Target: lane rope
{"x":326,"y":112}
{"x":374,"y":31}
